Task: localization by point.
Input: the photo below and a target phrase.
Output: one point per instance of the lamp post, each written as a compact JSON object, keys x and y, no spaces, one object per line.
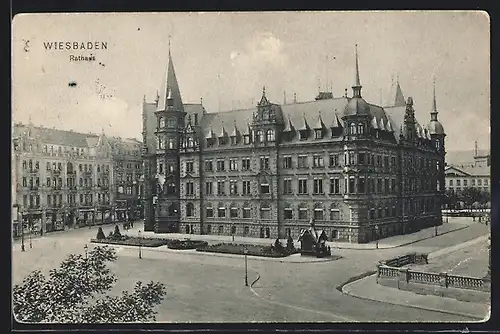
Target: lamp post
{"x":86,"y":264}
{"x":140,"y":243}
{"x":31,"y":232}
{"x":21,"y":220}
{"x":246,"y":266}
{"x":376,"y":236}
{"x":488,"y":274}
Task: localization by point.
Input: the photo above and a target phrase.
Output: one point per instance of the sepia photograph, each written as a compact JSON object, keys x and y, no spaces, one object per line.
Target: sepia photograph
{"x":251,"y":167}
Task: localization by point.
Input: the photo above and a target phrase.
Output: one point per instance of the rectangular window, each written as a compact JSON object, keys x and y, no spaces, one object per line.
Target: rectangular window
{"x":208,"y":188}
{"x":302,"y":161}
{"x":393,"y":186}
{"x":220,"y":165}
{"x":379,"y":186}
{"x":246,"y":139}
{"x":361,"y":185}
{"x":473,"y":181}
{"x":287,"y":162}
{"x":245,"y":164}
{"x":189,"y":166}
{"x":287,"y":213}
{"x":303,"y":186}
{"x":233,"y":164}
{"x":318,"y":161}
{"x":361,"y":158}
{"x":264,"y":163}
{"x":334,"y":214}
{"x":393,"y":163}
{"x":386,"y":186}
{"x":478,"y":182}
{"x":334,"y":186}
{"x":458,"y":183}
{"x":233,"y":212}
{"x":485,"y":182}
{"x":210,"y":212}
{"x":220,"y":188}
{"x":209,"y":165}
{"x":246,"y":212}
{"x":334,"y":160}
{"x":318,"y":134}
{"x":303,"y":213}
{"x":318,"y":214}
{"x":318,"y":186}
{"x":264,"y":188}
{"x":221,"y":212}
{"x":233,"y":187}
{"x":352,"y":185}
{"x":246,"y":230}
{"x":189,"y":188}
{"x":451,"y":183}
{"x":352,"y":159}
{"x":246,"y":187}
{"x":265,"y":213}
{"x":287,"y":186}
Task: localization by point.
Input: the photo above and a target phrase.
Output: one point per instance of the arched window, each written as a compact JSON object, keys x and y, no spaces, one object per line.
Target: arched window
{"x":189,"y":209}
{"x":171,"y":143}
{"x":270,"y":135}
{"x":352,"y":129}
{"x":260,"y":136}
{"x":162,"y":122}
{"x":361,"y":128}
{"x":190,"y":142}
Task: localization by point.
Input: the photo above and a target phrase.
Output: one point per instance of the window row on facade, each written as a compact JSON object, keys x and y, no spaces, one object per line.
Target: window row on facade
{"x":58,"y":166}
{"x":56,"y":200}
{"x":303,"y":186}
{"x":57,"y":182}
{"x":459,"y":183}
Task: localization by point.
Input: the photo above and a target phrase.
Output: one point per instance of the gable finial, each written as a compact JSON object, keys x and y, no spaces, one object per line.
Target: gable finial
{"x":169,"y":37}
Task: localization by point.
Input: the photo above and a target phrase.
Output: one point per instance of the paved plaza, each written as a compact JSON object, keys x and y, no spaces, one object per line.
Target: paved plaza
{"x":210,"y":288}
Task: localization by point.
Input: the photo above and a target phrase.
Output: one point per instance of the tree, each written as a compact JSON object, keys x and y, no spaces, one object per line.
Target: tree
{"x":76,"y":293}
{"x":451,"y":199}
{"x":117,"y":233}
{"x":469,"y":196}
{"x":100,"y":234}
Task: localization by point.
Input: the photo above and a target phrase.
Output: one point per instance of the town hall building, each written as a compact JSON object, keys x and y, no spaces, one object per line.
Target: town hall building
{"x":358,"y":170}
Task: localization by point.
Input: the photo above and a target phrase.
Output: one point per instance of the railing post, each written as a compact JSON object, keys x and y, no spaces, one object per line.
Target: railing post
{"x":402,"y":276}
{"x":443,"y":279}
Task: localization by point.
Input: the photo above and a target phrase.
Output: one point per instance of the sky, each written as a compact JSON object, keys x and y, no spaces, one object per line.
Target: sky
{"x":225,"y":59}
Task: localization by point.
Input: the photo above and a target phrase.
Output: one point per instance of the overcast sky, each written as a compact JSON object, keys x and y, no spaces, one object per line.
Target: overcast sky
{"x":226,"y":58}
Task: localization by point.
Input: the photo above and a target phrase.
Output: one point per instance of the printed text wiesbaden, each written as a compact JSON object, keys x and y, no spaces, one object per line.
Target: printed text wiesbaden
{"x":75,"y":45}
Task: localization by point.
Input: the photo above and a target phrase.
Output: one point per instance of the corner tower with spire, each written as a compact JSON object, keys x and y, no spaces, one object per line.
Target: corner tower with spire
{"x":438,"y":135}
{"x":170,"y":117}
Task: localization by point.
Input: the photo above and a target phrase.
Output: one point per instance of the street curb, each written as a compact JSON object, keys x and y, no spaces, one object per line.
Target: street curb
{"x":447,"y":250}
{"x":407,"y":243}
{"x":349,"y":293}
{"x":191,"y":252}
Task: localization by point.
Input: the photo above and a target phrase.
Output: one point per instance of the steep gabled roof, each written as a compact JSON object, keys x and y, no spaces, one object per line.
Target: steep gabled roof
{"x":170,"y":88}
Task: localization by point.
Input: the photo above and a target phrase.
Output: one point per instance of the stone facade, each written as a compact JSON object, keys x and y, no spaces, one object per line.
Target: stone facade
{"x":64,"y":178}
{"x":359,"y":170}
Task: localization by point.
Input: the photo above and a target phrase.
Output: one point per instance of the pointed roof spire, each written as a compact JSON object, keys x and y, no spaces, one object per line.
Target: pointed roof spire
{"x":336,"y":123}
{"x":210,"y":133}
{"x":399,"y":99}
{"x":263,"y":99}
{"x":357,"y":83}
{"x":288,"y":125}
{"x":223,"y":132}
{"x":434,"y":104}
{"x":374,"y":123}
{"x":170,"y":97}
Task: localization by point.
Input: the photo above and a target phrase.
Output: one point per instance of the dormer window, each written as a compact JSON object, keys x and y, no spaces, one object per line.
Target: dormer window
{"x":361,"y":128}
{"x":352,"y":129}
{"x":210,"y":142}
{"x":303,"y":134}
{"x":246,"y":139}
{"x":260,"y":136}
{"x":222,"y":140}
{"x":270,"y":135}
{"x":318,"y":134}
{"x":233,"y":140}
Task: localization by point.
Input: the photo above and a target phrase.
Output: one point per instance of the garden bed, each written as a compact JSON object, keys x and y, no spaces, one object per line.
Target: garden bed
{"x":239,"y":249}
{"x":186,"y":244}
{"x":133,"y":241}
